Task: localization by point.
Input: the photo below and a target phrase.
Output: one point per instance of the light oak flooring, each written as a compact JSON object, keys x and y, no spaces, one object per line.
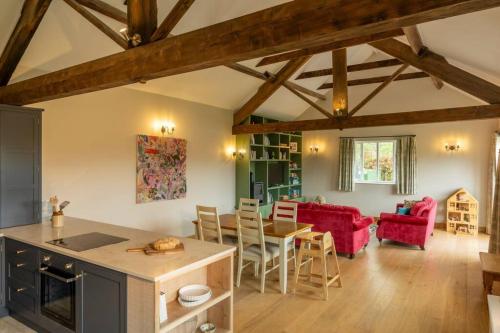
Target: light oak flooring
{"x":393,"y":288}
{"x":10,"y":325}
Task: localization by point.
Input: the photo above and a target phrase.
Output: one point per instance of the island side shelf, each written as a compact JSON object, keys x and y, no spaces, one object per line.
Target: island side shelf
{"x":143,"y":301}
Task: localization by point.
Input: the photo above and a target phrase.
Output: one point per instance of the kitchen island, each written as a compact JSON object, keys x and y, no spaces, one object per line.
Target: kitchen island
{"x":144,"y":277}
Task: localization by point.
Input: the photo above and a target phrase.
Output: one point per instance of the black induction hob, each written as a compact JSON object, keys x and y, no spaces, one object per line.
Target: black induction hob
{"x":87,"y":241}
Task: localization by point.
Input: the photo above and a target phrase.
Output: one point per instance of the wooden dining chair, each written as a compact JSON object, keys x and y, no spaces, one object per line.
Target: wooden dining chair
{"x":249,"y":205}
{"x":208,"y":224}
{"x":287,"y":212}
{"x":252,"y":247}
{"x":317,"y":245}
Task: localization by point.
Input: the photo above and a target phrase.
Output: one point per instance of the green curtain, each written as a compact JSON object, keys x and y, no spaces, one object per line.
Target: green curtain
{"x":406,"y":159}
{"x":494,"y":246}
{"x":346,"y":165}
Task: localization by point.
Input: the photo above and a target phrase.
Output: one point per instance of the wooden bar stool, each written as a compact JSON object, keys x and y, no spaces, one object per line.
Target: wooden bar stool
{"x":316,"y":245}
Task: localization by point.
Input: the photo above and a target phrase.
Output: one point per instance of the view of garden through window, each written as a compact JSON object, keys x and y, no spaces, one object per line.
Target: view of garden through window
{"x":374,"y":162}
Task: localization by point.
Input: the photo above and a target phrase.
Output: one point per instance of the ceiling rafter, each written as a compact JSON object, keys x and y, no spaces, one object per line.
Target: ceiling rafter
{"x":350,"y":68}
{"x":436,"y":65}
{"x":340,"y":100}
{"x":269,"y":87}
{"x":95,"y":21}
{"x":388,"y":119}
{"x":142,"y":20}
{"x":105,"y":9}
{"x":298,"y":24}
{"x":307,"y":100}
{"x":169,"y":23}
{"x":377,"y":79}
{"x":328,"y":47}
{"x":252,"y":72}
{"x":32,"y":14}
{"x":377,"y":90}
{"x":416,"y":44}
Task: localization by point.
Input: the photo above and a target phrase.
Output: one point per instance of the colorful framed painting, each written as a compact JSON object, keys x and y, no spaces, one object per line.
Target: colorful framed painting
{"x":161,"y":168}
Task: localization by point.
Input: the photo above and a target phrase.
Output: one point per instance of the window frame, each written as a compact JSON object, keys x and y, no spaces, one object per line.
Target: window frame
{"x":377,"y":141}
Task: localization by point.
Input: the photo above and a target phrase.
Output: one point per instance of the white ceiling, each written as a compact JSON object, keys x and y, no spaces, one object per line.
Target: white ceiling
{"x":64,"y":38}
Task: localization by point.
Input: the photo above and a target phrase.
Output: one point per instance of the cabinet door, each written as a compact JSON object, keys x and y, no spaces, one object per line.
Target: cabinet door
{"x":19,"y":166}
{"x":103,"y":300}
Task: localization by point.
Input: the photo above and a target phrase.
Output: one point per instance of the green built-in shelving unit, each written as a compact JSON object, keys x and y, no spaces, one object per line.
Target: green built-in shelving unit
{"x":267,"y":153}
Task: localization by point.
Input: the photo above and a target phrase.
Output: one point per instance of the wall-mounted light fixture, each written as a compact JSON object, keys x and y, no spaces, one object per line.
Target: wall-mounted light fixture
{"x":314,"y":149}
{"x":452,"y":148}
{"x":239,"y":154}
{"x":164,"y":126}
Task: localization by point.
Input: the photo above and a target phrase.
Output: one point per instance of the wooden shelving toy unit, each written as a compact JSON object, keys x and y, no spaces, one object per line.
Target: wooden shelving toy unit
{"x":462,"y":211}
{"x":265,"y":152}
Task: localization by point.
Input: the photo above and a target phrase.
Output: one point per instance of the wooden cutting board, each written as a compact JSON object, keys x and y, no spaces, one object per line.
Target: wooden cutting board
{"x":149,"y":250}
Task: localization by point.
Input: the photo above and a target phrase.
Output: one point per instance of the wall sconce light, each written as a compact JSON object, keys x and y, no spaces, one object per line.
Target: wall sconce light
{"x":239,"y":154}
{"x":452,"y":148}
{"x":314,"y":149}
{"x":168,"y":128}
{"x":136,"y":39}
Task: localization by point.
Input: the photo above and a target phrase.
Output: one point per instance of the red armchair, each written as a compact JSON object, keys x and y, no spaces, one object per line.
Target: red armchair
{"x":412,"y":229}
{"x":346,"y":224}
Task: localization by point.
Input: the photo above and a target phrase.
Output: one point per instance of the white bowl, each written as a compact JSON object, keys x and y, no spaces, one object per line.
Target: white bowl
{"x":189,"y":304}
{"x":194,"y":292}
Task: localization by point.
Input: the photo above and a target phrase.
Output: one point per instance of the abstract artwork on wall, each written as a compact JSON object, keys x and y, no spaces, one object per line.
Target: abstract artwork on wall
{"x":161,"y":168}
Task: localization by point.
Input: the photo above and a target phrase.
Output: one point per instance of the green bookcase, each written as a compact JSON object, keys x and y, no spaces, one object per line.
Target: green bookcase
{"x":267,"y":155}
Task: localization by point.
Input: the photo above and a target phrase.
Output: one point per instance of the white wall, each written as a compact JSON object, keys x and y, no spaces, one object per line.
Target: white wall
{"x":89,"y":157}
{"x":439,"y":173}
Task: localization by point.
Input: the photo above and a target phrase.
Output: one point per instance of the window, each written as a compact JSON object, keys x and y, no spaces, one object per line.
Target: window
{"x":374,"y":162}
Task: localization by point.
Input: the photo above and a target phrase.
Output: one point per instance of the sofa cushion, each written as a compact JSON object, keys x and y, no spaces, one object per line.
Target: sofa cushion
{"x":410,"y":203}
{"x":403,"y":211}
{"x":402,"y":219}
{"x":304,"y":205}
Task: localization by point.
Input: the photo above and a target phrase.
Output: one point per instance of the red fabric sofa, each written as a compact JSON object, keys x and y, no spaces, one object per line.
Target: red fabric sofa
{"x":348,"y":227}
{"x":413,"y":229}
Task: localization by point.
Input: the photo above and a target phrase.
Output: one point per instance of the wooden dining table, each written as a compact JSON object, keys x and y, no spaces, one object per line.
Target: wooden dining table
{"x":275,"y":232}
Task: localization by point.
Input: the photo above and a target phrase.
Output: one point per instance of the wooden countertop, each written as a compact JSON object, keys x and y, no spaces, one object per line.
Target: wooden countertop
{"x":152,"y":268}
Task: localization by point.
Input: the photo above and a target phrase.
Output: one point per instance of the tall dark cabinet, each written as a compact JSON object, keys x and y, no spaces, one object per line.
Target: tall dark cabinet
{"x":20,"y":166}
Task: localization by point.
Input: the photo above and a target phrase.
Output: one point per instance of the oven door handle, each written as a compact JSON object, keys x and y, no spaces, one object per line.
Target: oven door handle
{"x":44,"y":271}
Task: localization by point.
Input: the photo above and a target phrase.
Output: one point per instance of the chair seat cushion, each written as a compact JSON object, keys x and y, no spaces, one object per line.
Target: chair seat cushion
{"x":253,"y":252}
{"x":402,"y":219}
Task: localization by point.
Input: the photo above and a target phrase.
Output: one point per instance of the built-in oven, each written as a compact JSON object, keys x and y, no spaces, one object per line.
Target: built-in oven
{"x":58,"y":289}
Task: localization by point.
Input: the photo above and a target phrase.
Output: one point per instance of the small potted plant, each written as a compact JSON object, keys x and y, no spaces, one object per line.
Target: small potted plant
{"x":57,"y":212}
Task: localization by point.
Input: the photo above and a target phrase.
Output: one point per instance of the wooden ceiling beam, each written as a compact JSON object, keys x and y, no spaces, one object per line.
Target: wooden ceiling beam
{"x":142,"y":17}
{"x":307,"y":100}
{"x":340,"y":103}
{"x":252,"y":72}
{"x":436,"y":65}
{"x":105,"y":9}
{"x":350,"y":68}
{"x":328,"y":47}
{"x":175,"y":15}
{"x":298,"y":24}
{"x":32,"y":13}
{"x":268,"y":89}
{"x":95,"y":21}
{"x":388,"y":119}
{"x":418,"y":48}
{"x":377,"y":79}
{"x":377,"y":90}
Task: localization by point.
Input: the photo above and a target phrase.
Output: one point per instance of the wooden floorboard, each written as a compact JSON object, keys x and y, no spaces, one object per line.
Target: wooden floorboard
{"x":393,"y":288}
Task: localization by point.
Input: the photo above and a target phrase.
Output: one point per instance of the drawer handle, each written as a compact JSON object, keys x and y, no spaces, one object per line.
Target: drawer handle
{"x":21,"y":251}
{"x":20,"y":290}
{"x":20,"y":265}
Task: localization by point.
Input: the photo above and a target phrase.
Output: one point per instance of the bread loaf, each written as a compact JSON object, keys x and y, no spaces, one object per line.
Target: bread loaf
{"x":167,"y":243}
